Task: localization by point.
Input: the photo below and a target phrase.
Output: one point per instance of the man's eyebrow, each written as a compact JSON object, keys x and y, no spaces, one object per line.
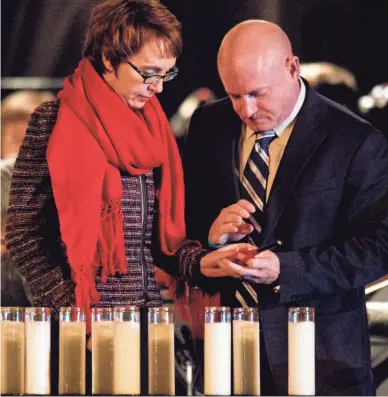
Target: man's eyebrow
{"x":232,"y":94}
{"x":252,"y":92}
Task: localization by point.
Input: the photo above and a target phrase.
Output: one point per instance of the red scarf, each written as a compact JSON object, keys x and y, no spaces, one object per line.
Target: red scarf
{"x":96,"y":135}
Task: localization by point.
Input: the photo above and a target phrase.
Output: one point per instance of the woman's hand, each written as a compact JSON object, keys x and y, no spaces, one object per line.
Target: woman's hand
{"x":236,"y":261}
{"x":212,"y":264}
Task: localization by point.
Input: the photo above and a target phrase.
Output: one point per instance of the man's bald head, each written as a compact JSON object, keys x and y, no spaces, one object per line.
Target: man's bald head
{"x":255,"y":38}
{"x":255,"y":57}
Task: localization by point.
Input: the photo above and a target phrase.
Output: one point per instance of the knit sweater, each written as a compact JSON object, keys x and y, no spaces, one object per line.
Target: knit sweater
{"x":34,"y":240}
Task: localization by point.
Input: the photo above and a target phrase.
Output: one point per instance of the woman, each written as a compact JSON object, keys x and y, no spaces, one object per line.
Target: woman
{"x":97,"y":196}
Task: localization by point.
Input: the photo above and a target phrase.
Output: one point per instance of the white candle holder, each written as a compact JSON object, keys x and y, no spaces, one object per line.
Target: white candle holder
{"x":72,"y":351}
{"x":218,"y":357}
{"x":246,"y":351}
{"x":38,"y":348}
{"x":12,"y":350}
{"x":301,"y":351}
{"x":161,"y":357}
{"x":127,"y":350}
{"x":102,"y":351}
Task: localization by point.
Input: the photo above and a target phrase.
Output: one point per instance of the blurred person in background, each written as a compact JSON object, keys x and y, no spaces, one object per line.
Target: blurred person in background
{"x":374,"y":107}
{"x":16,"y":110}
{"x":333,"y":82}
{"x":97,"y":196}
{"x":180,"y":120}
{"x":14,"y":290}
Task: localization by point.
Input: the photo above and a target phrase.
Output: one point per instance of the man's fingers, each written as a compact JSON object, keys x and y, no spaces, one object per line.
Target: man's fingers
{"x":246,"y":205}
{"x":244,"y":271}
{"x":260,"y":263}
{"x":233,"y":228}
{"x":245,"y":228}
{"x":233,"y":219}
{"x":235,"y":210}
{"x":229,"y":224}
{"x":227,"y":228}
{"x":257,"y":280}
{"x":251,"y":279}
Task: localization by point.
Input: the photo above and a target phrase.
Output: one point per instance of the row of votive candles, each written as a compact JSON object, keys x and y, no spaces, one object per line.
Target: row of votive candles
{"x":243,"y":334}
{"x":25,"y":351}
{"x":116,"y":351}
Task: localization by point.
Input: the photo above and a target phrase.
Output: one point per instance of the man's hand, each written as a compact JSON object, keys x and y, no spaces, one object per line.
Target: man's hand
{"x":264,"y":268}
{"x":230,"y":225}
{"x":212,"y":263}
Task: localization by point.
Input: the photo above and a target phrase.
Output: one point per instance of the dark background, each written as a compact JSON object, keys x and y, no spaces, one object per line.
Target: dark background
{"x":45,"y":37}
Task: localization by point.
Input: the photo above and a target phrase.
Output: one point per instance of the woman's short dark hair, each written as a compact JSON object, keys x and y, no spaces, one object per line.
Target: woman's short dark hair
{"x":119,"y":28}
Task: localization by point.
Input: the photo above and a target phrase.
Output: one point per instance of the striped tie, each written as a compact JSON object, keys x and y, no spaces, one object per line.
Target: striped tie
{"x":254,"y":182}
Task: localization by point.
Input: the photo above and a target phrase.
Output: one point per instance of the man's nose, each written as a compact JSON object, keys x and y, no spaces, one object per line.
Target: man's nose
{"x":247,"y":107}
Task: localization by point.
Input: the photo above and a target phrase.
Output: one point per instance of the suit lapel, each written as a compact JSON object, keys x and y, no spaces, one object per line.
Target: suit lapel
{"x":305,"y":139}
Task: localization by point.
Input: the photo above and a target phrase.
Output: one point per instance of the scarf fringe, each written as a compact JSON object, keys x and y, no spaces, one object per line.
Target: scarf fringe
{"x":110,"y":253}
{"x":86,"y":294}
{"x":189,"y":302}
{"x":195,"y":303}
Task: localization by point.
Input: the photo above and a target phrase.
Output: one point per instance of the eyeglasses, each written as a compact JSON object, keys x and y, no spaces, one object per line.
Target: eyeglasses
{"x":150,"y":78}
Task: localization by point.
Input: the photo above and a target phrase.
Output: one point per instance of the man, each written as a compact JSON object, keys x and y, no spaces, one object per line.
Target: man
{"x":321,"y":188}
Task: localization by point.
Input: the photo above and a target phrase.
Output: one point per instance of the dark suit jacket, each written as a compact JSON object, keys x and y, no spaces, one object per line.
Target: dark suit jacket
{"x":329,"y":206}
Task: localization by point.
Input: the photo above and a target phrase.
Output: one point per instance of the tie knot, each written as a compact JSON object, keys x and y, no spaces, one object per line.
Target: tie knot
{"x":264,"y":138}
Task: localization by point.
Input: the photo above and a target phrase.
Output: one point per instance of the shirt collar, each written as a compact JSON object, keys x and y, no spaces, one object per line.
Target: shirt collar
{"x":299,"y":102}
{"x":282,"y":126}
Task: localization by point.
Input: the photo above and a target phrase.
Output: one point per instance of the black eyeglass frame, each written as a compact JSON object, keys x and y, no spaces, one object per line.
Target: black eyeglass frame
{"x":154,"y":78}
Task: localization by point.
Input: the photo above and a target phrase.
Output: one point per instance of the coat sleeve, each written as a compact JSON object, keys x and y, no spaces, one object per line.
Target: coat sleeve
{"x":358,"y":254}
{"x":185,"y":265}
{"x":32,"y":230}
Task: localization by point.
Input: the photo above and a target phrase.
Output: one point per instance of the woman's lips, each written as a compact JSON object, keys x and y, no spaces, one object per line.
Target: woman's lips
{"x":144,"y":98}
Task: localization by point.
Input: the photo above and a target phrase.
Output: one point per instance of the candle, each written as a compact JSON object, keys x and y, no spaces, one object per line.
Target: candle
{"x":246,"y":352}
{"x":161,"y":359}
{"x":218,"y":355}
{"x":72,"y":341}
{"x":12,"y":350}
{"x":301,"y":351}
{"x":102,"y":350}
{"x":38,"y":332}
{"x":127,"y":350}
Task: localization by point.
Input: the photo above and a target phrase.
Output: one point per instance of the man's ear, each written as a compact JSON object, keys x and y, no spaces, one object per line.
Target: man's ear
{"x":293,"y":67}
{"x":107,"y":64}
